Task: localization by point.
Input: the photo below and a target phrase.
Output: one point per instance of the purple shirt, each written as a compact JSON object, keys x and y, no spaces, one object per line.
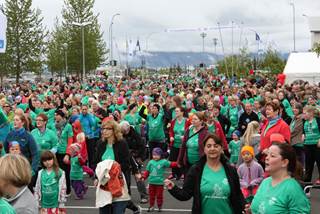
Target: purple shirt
{"x":254,"y":178}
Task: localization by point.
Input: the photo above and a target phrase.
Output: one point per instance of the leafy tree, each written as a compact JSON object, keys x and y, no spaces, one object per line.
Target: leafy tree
{"x":272,"y":62}
{"x":79,"y":11}
{"x":25,"y":38}
{"x":316,"y":48}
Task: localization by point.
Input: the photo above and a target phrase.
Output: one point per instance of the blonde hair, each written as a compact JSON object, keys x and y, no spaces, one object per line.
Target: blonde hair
{"x":15,"y":169}
{"x":116,"y":129}
{"x":252,"y":128}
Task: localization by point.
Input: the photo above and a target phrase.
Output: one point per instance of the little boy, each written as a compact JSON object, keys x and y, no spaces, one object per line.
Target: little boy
{"x":14,"y":148}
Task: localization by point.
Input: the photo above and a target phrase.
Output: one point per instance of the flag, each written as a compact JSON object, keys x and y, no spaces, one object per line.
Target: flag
{"x":3,"y":29}
{"x":257,"y":37}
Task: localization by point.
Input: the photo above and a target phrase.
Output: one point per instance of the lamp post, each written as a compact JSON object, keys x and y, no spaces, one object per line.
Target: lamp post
{"x":65,"y":48}
{"x":203,"y":35}
{"x":215,"y":43}
{"x":294,"y":25}
{"x":82,"y":25}
{"x":110,"y":32}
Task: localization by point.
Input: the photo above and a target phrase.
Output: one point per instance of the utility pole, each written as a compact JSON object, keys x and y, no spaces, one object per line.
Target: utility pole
{"x":203,"y":35}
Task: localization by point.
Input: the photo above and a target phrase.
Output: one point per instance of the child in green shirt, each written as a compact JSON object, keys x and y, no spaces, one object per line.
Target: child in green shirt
{"x":234,"y":147}
{"x":50,"y":189}
{"x":155,"y":171}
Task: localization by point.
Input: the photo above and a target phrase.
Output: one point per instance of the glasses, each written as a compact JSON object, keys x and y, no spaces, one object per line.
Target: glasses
{"x":106,"y":128}
{"x":39,"y":120}
{"x":7,"y":106}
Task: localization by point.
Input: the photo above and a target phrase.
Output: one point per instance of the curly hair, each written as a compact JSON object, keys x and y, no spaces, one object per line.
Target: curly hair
{"x":115,"y":127}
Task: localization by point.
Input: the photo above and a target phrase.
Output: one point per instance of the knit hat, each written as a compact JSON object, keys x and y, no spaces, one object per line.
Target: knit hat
{"x":157,"y":151}
{"x":236,"y":132}
{"x":276,"y":137}
{"x":14,"y":143}
{"x":248,"y":149}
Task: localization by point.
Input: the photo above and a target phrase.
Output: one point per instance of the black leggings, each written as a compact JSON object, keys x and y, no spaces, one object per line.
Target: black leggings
{"x":174,"y":153}
{"x":66,"y":169}
{"x":312,"y":154}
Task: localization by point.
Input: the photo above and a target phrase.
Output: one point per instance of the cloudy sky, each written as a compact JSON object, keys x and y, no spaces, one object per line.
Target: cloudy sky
{"x":271,"y":19}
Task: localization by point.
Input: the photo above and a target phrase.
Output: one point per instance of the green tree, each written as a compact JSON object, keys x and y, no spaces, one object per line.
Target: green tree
{"x":25,"y":38}
{"x":79,"y":11}
{"x":272,"y":62}
{"x":316,"y":48}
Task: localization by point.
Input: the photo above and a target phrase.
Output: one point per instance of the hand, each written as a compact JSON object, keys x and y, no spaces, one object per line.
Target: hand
{"x":179,"y":165}
{"x":95,"y":182}
{"x":169,"y":184}
{"x":138,"y":176}
{"x":66,"y":159}
{"x":247,"y":209}
{"x":318,"y":144}
{"x":265,"y":151}
{"x":302,"y":138}
{"x":169,"y":125}
{"x":171,"y":139}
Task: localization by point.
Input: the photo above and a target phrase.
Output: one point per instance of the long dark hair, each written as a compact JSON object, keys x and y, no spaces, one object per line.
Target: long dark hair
{"x":217,"y":140}
{"x":48,"y":155}
{"x":287,"y":152}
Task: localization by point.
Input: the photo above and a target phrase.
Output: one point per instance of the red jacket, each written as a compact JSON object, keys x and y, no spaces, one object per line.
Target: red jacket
{"x":173,"y":122}
{"x":116,"y":182}
{"x":280,"y":127}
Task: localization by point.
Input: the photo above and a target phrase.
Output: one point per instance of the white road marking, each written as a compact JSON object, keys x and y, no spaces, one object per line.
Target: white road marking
{"x":144,"y":209}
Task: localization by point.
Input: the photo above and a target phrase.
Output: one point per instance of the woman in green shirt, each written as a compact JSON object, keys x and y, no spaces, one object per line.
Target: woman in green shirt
{"x":280,"y":193}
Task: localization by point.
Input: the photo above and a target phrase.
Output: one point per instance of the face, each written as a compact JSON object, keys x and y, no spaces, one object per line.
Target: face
{"x":15,"y":150}
{"x":38,"y":104}
{"x":311,"y":101}
{"x":40,"y":122}
{"x":17,"y":122}
{"x":256,"y":105}
{"x":216,"y":112}
{"x":107,"y":131}
{"x":235,"y":137}
{"x":84,"y":110}
{"x":295,"y":111}
{"x":75,"y":111}
{"x":48,"y":163}
{"x":213,"y":150}
{"x":274,"y":161}
{"x":196,"y":121}
{"x":7,"y":107}
{"x":308,"y":115}
{"x":246,"y":156}
{"x":95,"y":106}
{"x":178,"y":112}
{"x":154,"y":110}
{"x":210,"y":105}
{"x":156,"y":157}
{"x":58,"y":118}
{"x":248,"y":108}
{"x":232,"y":102}
{"x":46,"y":105}
{"x":280,"y":96}
{"x":270,"y":112}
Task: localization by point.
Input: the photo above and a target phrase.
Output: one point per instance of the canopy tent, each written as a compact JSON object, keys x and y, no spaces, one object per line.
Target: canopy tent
{"x":303,"y":66}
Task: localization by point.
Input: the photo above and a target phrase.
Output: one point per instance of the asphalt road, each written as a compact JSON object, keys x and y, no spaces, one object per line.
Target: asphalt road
{"x":171,"y":205}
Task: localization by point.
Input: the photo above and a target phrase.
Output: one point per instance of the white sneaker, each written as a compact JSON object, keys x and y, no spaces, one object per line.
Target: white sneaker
{"x":138,"y":211}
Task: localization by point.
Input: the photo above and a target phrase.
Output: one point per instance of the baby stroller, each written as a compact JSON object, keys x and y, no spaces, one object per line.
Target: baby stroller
{"x":307,"y":186}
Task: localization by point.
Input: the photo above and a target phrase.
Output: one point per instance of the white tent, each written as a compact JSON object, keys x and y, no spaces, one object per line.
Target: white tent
{"x":303,"y":66}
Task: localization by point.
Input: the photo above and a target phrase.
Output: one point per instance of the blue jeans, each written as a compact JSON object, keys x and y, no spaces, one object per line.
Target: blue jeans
{"x":114,"y":208}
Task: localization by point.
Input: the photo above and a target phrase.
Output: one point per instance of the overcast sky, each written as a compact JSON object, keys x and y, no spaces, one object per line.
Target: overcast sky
{"x":272,"y":19}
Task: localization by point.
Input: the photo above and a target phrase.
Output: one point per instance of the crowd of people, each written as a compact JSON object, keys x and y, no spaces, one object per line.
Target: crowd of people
{"x":239,"y":145}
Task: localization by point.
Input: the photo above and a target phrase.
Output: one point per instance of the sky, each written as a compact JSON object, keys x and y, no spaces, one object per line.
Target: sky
{"x":147,"y":21}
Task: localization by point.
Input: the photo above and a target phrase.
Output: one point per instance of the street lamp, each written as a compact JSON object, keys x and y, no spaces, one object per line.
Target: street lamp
{"x":294,"y":25}
{"x":65,"y":48}
{"x":203,"y":35}
{"x":215,"y":43}
{"x":110,"y":32}
{"x":82,"y":25}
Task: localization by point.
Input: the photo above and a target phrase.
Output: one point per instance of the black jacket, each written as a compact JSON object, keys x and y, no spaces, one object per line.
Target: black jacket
{"x":191,"y":187}
{"x":224,"y":122}
{"x":245,"y":119}
{"x":121,"y":154}
{"x":135,"y":143}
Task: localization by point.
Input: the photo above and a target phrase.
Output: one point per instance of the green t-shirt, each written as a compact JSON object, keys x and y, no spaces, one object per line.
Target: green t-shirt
{"x":156,"y":127}
{"x":156,"y":169}
{"x":49,"y":188}
{"x":46,"y":141}
{"x":193,"y":147}
{"x":215,"y":191}
{"x":178,"y":130}
{"x":234,"y":149}
{"x":108,"y":154}
{"x":286,"y":197}
{"x":6,"y":208}
{"x":311,"y":130}
{"x":76,"y":172}
{"x":23,"y":106}
{"x":63,"y":139}
{"x":211,"y":128}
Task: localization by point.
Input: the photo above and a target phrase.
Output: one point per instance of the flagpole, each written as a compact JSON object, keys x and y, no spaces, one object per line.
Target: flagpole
{"x":232,"y":73}
{"x":223,"y":49}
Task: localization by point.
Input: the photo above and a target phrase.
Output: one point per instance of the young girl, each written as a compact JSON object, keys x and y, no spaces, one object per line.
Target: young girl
{"x":234,"y":147}
{"x":76,"y":172}
{"x":14,"y":148}
{"x":50,"y":190}
{"x":250,"y":172}
{"x":155,"y":170}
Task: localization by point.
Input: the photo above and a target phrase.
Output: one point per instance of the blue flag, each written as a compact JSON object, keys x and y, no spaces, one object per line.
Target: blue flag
{"x":257,"y":37}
